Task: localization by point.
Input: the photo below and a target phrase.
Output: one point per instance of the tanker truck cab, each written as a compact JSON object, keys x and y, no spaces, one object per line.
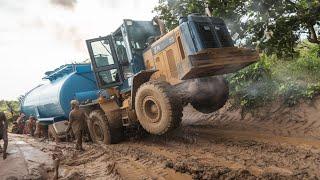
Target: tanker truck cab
{"x":149,"y":76}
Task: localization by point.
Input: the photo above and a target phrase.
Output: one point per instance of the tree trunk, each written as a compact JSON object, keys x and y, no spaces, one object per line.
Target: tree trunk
{"x":313,"y":35}
{"x":10,"y":108}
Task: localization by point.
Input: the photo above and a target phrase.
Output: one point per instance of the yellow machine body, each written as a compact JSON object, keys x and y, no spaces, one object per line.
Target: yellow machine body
{"x":173,"y":64}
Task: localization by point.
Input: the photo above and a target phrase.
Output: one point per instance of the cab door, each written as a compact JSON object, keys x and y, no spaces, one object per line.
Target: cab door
{"x":104,"y":62}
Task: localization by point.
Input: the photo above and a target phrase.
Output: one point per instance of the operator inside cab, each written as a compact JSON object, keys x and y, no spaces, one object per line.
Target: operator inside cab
{"x":122,"y":53}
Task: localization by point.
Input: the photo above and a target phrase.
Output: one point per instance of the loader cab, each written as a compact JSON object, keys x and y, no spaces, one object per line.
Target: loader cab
{"x":132,"y":37}
{"x":118,"y":57}
{"x":104,"y":62}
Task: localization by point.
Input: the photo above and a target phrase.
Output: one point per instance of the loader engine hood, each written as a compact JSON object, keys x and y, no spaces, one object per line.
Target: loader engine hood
{"x":210,"y":48}
{"x":203,"y":32}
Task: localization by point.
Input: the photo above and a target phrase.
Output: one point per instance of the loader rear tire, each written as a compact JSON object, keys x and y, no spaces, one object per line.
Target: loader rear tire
{"x":157,"y":108}
{"x":102,"y":132}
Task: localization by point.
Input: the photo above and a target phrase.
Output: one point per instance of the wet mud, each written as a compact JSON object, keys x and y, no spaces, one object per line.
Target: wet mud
{"x":221,"y":145}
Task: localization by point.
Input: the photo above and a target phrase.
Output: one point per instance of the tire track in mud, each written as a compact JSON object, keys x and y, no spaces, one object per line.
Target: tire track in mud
{"x":136,"y":163}
{"x":217,"y":156}
{"x":120,"y":161}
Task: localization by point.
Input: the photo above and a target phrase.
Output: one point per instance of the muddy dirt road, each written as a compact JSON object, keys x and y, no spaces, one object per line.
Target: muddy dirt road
{"x":197,"y":152}
{"x":25,"y":161}
{"x":211,"y":149}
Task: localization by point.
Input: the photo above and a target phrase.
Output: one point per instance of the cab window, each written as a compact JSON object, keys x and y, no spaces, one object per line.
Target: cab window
{"x":109,"y":77}
{"x":102,"y":53}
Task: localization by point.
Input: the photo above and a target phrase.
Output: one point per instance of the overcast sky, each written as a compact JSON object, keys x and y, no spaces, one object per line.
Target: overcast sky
{"x":40,"y":35}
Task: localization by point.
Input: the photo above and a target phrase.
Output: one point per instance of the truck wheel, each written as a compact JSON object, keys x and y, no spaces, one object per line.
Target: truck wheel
{"x":103,"y":131}
{"x":99,"y":128}
{"x":51,"y":133}
{"x":157,"y":108}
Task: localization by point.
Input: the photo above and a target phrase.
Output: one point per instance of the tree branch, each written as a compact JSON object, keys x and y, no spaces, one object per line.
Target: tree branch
{"x":293,"y":4}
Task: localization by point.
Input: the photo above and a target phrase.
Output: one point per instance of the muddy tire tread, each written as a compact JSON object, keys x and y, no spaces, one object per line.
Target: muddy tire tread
{"x":100,"y":114}
{"x":115,"y":133}
{"x":171,"y":101}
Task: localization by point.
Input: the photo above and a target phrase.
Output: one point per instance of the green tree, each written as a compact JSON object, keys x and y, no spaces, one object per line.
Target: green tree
{"x":274,"y":26}
{"x":171,"y":10}
{"x":11,"y":108}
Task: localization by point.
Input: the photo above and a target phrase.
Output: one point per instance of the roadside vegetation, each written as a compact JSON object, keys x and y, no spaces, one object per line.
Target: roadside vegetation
{"x":286,"y":79}
{"x":10,"y":108}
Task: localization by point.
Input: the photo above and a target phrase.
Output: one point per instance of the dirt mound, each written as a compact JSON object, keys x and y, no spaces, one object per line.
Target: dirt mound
{"x":302,"y":120}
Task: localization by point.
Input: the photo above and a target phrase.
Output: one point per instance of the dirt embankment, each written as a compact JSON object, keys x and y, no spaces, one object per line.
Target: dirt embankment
{"x":302,"y":120}
{"x":279,"y":143}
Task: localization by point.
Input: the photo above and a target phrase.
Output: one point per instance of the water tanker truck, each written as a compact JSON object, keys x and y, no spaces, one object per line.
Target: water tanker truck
{"x":50,"y":102}
{"x":146,"y":76}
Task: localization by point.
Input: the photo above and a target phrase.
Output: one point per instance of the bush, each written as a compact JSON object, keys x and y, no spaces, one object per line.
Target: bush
{"x":312,"y":91}
{"x":291,"y":93}
{"x":252,"y":86}
{"x":271,"y":78}
{"x":307,"y":66}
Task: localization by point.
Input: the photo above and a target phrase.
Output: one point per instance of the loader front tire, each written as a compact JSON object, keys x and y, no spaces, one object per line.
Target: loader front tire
{"x":157,"y":108}
{"x":99,"y":128}
{"x":102,"y":130}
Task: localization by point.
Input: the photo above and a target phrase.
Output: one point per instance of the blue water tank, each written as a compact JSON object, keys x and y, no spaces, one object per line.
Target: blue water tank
{"x":51,"y":101}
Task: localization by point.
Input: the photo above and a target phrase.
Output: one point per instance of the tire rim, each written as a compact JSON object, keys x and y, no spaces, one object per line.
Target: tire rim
{"x":151,"y":109}
{"x":98,"y":131}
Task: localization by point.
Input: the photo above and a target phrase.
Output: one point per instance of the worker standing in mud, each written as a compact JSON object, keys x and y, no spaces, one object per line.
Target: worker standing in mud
{"x":76,"y":123}
{"x":20,"y":124}
{"x":32,"y":125}
{"x":4,"y":133}
{"x":40,"y":130}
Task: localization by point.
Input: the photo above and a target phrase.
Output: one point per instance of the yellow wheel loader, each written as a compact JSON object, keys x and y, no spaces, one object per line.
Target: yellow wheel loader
{"x":146,"y":76}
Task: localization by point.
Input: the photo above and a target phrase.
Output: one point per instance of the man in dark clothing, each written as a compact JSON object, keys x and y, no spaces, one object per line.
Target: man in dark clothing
{"x":77,"y":119}
{"x":20,"y":124}
{"x":4,"y":133}
{"x":32,"y":125}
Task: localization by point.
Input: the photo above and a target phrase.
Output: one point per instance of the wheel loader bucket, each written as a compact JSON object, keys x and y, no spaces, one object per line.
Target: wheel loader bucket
{"x":218,"y":61}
